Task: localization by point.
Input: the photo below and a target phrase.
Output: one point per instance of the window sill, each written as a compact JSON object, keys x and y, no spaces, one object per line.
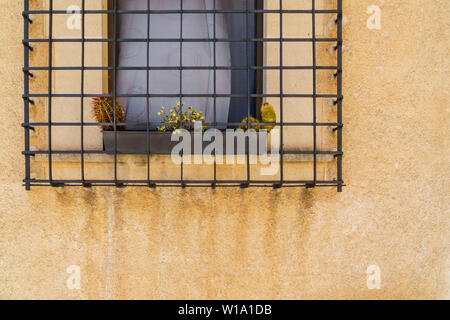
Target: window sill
{"x":132,"y":149}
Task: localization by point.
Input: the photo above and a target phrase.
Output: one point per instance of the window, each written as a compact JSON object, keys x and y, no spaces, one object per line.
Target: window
{"x":225,"y":58}
{"x":191,"y":62}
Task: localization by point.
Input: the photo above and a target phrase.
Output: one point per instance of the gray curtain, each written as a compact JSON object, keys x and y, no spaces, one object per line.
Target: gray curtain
{"x":200,"y":54}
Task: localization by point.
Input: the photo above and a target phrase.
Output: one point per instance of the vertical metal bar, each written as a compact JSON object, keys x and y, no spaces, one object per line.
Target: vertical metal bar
{"x":50,"y":64}
{"x":259,"y":53}
{"x":83,"y":26}
{"x":115,"y":86}
{"x":148,"y":92}
{"x":26,"y":87}
{"x":215,"y":88}
{"x":339,"y":94}
{"x":281,"y":97}
{"x":314,"y":87}
{"x":181,"y":87}
{"x":247,"y":138}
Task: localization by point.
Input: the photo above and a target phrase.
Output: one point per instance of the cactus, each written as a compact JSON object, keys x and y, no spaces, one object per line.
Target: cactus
{"x":268,"y":115}
{"x":103,"y":111}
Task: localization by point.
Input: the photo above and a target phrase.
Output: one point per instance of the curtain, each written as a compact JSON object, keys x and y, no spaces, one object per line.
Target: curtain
{"x":167,"y":54}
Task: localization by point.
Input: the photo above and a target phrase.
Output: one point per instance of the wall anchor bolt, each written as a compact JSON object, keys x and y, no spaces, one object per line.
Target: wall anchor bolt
{"x":27,"y":17}
{"x":28,"y":73}
{"x":57,"y":185}
{"x":335,"y":102}
{"x":338,"y":72}
{"x":27,"y":125}
{"x":338,"y":45}
{"x":29,"y":100}
{"x":244,"y":185}
{"x":27,"y":45}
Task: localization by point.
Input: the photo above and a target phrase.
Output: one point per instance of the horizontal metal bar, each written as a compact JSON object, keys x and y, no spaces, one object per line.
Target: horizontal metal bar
{"x":184,"y":11}
{"x":270,"y":185}
{"x":177,"y":95}
{"x":43,"y":152}
{"x":218,"y":124}
{"x":218,"y":182}
{"x":181,"y":40}
{"x":168,"y":68}
{"x":335,"y":153}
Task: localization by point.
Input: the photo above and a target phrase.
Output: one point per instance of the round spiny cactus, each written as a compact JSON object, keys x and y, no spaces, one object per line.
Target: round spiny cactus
{"x":103,"y":111}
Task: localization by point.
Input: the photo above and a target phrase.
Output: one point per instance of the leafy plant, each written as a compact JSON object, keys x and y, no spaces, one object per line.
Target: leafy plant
{"x":178,"y":118}
{"x":103,"y":111}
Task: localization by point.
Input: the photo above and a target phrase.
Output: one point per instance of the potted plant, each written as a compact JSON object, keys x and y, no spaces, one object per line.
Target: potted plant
{"x":103,"y":112}
{"x":177,"y":117}
{"x":140,"y":142}
{"x":160,"y":142}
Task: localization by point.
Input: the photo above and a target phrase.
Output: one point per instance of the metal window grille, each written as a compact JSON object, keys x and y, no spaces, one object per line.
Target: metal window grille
{"x":114,"y":40}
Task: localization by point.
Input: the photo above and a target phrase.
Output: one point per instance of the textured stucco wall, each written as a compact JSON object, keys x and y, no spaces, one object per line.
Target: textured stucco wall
{"x":258,"y":243}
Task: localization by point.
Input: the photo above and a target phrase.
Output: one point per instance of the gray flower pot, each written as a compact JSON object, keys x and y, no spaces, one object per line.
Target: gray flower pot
{"x":135,"y":142}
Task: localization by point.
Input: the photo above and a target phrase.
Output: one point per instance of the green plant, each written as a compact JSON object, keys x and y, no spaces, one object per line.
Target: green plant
{"x":103,"y":111}
{"x":178,"y":118}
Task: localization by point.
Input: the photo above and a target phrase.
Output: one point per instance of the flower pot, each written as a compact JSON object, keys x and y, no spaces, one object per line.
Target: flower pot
{"x":129,"y":142}
{"x":139,"y":142}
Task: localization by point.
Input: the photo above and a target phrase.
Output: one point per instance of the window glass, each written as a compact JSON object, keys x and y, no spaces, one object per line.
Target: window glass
{"x":231,"y":26}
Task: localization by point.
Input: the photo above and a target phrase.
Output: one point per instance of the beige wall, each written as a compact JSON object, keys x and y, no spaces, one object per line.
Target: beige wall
{"x":257,"y":243}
